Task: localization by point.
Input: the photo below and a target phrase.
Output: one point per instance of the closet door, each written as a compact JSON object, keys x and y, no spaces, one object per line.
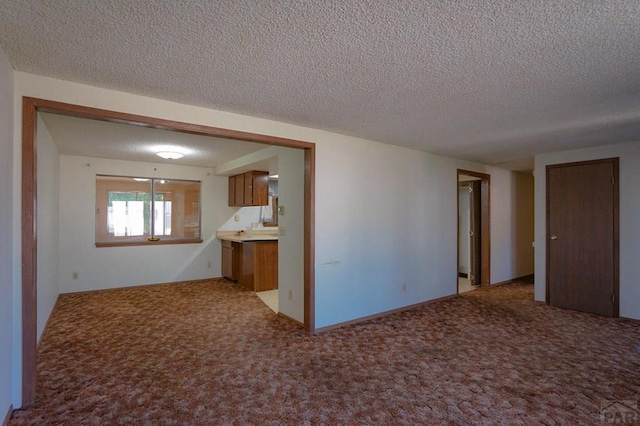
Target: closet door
{"x":582,"y":236}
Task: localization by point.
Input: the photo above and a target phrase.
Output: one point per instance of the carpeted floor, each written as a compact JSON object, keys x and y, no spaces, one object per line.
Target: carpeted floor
{"x":210,"y":353}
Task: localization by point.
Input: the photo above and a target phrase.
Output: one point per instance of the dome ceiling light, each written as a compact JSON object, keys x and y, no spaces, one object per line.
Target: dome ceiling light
{"x":170,"y":155}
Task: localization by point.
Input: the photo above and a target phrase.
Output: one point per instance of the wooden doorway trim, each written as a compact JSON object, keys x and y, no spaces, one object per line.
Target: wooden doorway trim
{"x":30,"y":108}
{"x":485,"y":225}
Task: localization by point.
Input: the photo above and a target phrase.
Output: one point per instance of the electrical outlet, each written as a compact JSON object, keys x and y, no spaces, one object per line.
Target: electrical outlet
{"x":74,"y":275}
{"x":209,"y":264}
{"x":281,"y":231}
{"x":237,"y":218}
{"x":290,"y":294}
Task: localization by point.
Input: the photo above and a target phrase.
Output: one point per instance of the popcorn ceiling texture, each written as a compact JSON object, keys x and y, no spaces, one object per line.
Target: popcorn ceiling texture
{"x":483,"y":80}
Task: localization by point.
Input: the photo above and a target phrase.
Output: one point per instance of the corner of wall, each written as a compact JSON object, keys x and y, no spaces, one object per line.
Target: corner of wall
{"x":10,"y":350}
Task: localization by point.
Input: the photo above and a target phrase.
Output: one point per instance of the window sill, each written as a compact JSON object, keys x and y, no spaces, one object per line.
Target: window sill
{"x":146,"y":243}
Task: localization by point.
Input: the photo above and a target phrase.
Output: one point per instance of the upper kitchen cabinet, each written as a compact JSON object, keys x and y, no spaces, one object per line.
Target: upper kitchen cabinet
{"x":249,"y":189}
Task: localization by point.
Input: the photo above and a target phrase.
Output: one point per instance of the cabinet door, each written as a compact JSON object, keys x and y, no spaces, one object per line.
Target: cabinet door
{"x":231,"y":260}
{"x":239,"y":190}
{"x":232,"y":191}
{"x":236,"y":260}
{"x":256,"y":188}
{"x":265,"y":260}
{"x":248,"y":189}
{"x":227,"y":260}
{"x":260,"y":189}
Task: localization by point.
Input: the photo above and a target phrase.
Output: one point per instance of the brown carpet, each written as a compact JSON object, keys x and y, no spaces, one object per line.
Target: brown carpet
{"x":210,"y":353}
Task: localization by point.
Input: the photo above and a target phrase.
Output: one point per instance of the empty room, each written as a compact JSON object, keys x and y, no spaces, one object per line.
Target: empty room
{"x":354,"y":212}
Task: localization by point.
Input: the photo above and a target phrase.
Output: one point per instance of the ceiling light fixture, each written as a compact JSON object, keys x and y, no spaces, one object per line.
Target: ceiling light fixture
{"x":141,"y":179}
{"x":170,"y":155}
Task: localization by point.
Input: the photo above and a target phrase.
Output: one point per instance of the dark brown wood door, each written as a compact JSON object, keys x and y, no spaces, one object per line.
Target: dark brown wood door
{"x":582,"y":210}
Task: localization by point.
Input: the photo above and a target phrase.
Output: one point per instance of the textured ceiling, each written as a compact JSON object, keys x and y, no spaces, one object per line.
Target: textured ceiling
{"x":491,"y":81}
{"x":92,"y":138}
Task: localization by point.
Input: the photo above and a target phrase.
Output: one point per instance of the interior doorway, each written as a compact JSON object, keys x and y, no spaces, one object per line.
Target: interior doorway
{"x":582,"y":236}
{"x":30,"y":108}
{"x":473,"y":231}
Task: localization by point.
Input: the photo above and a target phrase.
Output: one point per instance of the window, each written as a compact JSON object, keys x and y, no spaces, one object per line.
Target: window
{"x":141,"y":211}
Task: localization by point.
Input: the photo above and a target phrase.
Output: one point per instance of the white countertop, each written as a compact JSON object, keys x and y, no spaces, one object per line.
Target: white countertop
{"x":256,"y":235}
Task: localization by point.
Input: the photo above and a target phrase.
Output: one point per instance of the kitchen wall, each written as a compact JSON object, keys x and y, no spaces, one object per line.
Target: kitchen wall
{"x":290,"y":167}
{"x":112,"y":267}
{"x":247,"y":216}
{"x":9,"y":287}
{"x":629,"y":154}
{"x":48,"y":215}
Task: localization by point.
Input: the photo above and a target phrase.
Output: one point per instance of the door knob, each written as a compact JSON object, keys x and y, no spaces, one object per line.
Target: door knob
{"x":553,"y":237}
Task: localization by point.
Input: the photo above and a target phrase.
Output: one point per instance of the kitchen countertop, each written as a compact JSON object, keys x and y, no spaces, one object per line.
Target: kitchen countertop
{"x":256,"y":235}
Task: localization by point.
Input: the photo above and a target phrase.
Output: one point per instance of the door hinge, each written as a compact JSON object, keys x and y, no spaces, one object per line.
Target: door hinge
{"x":613,"y":180}
{"x":613,"y":298}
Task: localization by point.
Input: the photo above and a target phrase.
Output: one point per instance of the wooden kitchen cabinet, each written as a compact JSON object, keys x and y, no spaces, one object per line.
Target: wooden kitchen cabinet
{"x":252,"y":264}
{"x":259,"y":270}
{"x":249,"y":189}
{"x":231,"y":260}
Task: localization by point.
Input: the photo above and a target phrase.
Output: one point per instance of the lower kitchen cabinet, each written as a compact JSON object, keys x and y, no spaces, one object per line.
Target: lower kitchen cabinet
{"x":253,"y":264}
{"x":231,"y":259}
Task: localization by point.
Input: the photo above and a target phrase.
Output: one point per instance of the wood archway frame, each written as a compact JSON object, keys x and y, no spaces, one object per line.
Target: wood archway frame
{"x":30,"y":108}
{"x":485,"y":226}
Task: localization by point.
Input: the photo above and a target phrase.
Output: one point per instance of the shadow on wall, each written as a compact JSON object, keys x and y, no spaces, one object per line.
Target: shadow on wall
{"x":209,"y":255}
{"x":523,"y":224}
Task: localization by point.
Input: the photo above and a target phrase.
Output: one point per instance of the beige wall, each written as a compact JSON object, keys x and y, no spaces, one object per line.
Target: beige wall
{"x":524,"y":223}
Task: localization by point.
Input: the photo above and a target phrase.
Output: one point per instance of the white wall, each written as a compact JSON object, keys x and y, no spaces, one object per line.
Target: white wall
{"x":247,"y":216}
{"x":384,"y":215}
{"x":48,"y":162}
{"x":8,"y":344}
{"x":291,"y":227}
{"x":629,"y":154}
{"x":464,"y":225}
{"x":112,"y":267}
